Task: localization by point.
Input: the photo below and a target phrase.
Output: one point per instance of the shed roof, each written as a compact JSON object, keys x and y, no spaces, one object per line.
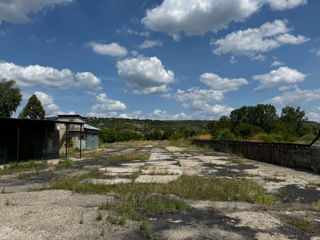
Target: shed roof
{"x":86,"y":126}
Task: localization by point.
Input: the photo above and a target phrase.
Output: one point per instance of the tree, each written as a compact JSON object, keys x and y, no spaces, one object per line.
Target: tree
{"x":295,"y":117}
{"x":33,"y":109}
{"x":10,"y":98}
{"x":262,"y":115}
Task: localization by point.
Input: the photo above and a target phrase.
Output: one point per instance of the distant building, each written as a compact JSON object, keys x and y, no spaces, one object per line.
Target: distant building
{"x":77,"y":134}
{"x":26,"y":139}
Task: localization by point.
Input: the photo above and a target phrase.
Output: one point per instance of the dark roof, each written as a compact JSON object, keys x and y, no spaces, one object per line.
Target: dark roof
{"x":70,"y":116}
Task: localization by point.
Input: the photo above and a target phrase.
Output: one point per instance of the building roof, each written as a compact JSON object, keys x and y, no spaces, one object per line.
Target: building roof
{"x":86,"y":126}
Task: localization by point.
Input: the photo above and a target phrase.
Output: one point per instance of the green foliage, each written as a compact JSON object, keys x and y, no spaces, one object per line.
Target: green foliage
{"x":294,"y":117}
{"x":225,"y":134}
{"x":263,"y":116}
{"x":246,"y":130}
{"x":10,"y":98}
{"x":33,"y":109}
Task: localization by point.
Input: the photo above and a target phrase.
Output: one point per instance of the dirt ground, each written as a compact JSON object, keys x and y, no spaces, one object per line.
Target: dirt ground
{"x":26,"y":212}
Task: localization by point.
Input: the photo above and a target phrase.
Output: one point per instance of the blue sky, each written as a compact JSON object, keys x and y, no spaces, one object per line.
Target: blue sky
{"x":162,"y":59}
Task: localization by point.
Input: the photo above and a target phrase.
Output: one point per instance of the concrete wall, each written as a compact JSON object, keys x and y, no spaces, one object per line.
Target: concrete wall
{"x":289,"y":155}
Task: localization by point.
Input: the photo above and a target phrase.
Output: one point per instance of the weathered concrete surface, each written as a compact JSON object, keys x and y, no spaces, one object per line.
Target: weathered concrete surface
{"x":56,"y":214}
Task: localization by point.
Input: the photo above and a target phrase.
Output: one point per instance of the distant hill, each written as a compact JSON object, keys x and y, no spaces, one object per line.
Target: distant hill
{"x":146,"y":125}
{"x":312,"y":124}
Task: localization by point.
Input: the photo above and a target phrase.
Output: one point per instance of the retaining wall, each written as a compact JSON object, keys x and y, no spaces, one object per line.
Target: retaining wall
{"x":289,"y":155}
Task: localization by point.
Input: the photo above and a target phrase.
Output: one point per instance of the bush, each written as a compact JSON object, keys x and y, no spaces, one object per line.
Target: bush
{"x":225,"y":134}
{"x":246,"y":130}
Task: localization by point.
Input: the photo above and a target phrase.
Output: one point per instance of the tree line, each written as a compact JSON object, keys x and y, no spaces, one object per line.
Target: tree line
{"x":262,"y":123}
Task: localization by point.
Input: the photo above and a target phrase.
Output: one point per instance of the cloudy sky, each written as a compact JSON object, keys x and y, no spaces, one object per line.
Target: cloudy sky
{"x":162,"y":59}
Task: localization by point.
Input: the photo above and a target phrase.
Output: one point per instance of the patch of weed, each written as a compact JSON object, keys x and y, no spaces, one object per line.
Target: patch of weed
{"x":129,"y":156}
{"x":312,"y":185}
{"x":135,"y":206}
{"x":81,"y":219}
{"x":7,"y":202}
{"x":99,"y":216}
{"x":190,"y":187}
{"x":3,"y":190}
{"x":316,"y":206}
{"x":28,"y":175}
{"x":146,"y":230}
{"x":65,"y":163}
{"x":304,"y":225}
{"x":24,"y":165}
{"x":102,"y":232}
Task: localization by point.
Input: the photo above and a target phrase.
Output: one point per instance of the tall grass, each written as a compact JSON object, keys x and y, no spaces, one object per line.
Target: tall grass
{"x":190,"y":187}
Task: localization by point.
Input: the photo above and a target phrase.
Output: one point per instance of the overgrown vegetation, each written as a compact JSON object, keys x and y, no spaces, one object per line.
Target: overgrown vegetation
{"x":29,"y":174}
{"x":304,"y":225}
{"x":261,"y":123}
{"x":190,"y":187}
{"x":129,"y":156}
{"x":316,"y":206}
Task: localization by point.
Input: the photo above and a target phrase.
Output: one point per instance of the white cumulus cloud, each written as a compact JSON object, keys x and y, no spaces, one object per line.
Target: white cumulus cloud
{"x":216,"y":82}
{"x":88,"y":81}
{"x":252,"y":41}
{"x":48,"y":104}
{"x":163,"y":115}
{"x":145,"y":75}
{"x":17,"y":11}
{"x":196,"y":17}
{"x":277,"y":63}
{"x":312,"y":116}
{"x":150,"y":44}
{"x":106,"y":104}
{"x":296,"y":97}
{"x":112,"y":49}
{"x":35,"y":75}
{"x":281,"y":78}
{"x":133,"y":115}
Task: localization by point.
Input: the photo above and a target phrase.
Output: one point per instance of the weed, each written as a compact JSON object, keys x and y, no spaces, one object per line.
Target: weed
{"x":134,"y":206}
{"x":102,"y":232}
{"x":3,"y":190}
{"x":316,"y":206}
{"x":23,"y":165}
{"x":99,"y":216}
{"x":283,"y":192}
{"x":304,"y":225}
{"x":30,"y":174}
{"x":65,"y":163}
{"x":81,"y":219}
{"x":129,"y":156}
{"x":179,"y":163}
{"x":145,"y":229}
{"x":7,"y":202}
{"x":112,"y":220}
{"x":191,"y":187}
{"x":122,"y":221}
{"x":273,"y":179}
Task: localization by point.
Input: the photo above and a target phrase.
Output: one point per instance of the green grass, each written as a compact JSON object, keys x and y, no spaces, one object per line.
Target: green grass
{"x":81,"y":219}
{"x":102,"y":232}
{"x":146,"y":230}
{"x":3,"y":190}
{"x":65,"y":163}
{"x":99,"y":216}
{"x":24,"y":165}
{"x":30,"y":174}
{"x":304,"y":225}
{"x":129,"y":156}
{"x":190,"y":187}
{"x":273,"y":179}
{"x":134,"y":206}
{"x":316,"y":206}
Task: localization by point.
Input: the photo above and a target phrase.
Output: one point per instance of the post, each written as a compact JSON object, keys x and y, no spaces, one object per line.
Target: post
{"x":18,"y":143}
{"x":80,"y":140}
{"x":46,"y":157}
{"x":67,"y":130}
